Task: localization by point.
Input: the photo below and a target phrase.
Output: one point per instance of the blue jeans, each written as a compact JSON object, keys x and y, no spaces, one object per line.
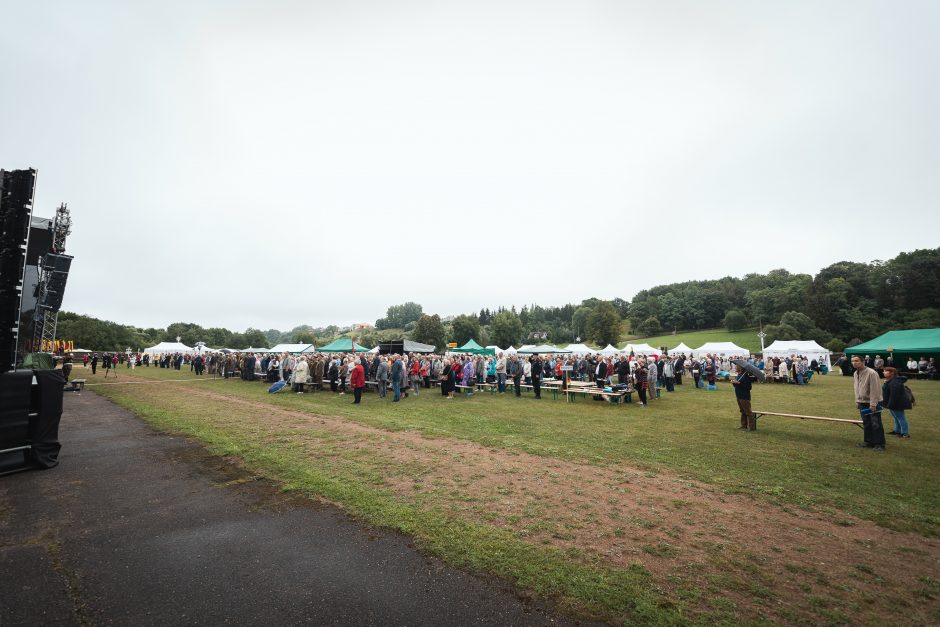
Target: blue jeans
{"x":501,"y":382}
{"x":900,"y":421}
{"x":799,"y":379}
{"x":871,"y":423}
{"x":396,"y":388}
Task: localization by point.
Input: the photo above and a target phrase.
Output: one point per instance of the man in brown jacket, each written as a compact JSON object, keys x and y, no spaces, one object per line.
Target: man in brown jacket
{"x":868,"y":402}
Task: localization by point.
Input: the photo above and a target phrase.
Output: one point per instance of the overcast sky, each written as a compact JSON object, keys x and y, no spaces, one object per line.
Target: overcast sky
{"x":275,"y":163}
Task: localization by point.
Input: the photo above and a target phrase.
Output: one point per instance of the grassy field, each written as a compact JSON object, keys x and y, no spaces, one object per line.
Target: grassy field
{"x":660,"y":515}
{"x":745,"y":339}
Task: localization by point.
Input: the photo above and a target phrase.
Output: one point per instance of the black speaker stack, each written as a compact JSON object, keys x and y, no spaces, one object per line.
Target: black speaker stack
{"x":30,"y":400}
{"x":16,"y":209}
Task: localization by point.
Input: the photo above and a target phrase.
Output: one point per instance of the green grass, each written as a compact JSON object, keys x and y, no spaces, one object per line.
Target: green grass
{"x":692,"y":435}
{"x":745,"y":339}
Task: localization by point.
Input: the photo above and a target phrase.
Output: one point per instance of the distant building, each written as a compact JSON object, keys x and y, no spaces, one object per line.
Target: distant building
{"x":362,"y":326}
{"x":538,"y":335}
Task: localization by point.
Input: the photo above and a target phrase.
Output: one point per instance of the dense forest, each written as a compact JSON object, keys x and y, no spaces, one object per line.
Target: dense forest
{"x":844,"y":303}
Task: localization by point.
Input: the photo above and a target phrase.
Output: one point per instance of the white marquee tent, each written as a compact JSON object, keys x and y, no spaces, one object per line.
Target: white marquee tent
{"x":640,"y":349}
{"x":609,"y":350}
{"x":496,"y":349}
{"x":721,"y":349}
{"x":510,"y":350}
{"x":680,"y":349}
{"x":809,"y":348}
{"x":291,"y":348}
{"x":579,"y":349}
{"x":169,"y":347}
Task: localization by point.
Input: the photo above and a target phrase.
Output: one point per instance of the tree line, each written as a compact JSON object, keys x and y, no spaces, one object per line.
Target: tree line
{"x":843,"y":303}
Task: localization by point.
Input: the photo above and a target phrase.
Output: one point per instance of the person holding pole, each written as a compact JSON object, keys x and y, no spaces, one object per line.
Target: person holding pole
{"x":868,"y":401}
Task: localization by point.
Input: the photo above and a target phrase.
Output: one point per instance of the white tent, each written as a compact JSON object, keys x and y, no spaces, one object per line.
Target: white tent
{"x":640,"y":349}
{"x":808,"y":348}
{"x":542,"y":349}
{"x":291,"y":348}
{"x":496,"y":349}
{"x":721,"y":349}
{"x":510,"y":350}
{"x":609,"y":350}
{"x":251,"y":349}
{"x":579,"y":349}
{"x":680,"y":349}
{"x":169,"y":347}
{"x":525,"y":348}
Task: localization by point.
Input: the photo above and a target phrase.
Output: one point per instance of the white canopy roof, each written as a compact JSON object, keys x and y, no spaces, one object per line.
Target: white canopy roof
{"x":496,"y":349}
{"x":169,"y":347}
{"x":808,"y":348}
{"x":680,"y":349}
{"x":722,"y":349}
{"x":290,"y":348}
{"x":609,"y":350}
{"x":579,"y":349}
{"x":796,"y":347}
{"x":640,"y":349}
{"x":510,"y":350}
{"x":251,"y":349}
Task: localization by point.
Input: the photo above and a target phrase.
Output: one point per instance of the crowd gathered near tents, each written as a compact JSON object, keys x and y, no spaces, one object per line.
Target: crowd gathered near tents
{"x":402,"y":368}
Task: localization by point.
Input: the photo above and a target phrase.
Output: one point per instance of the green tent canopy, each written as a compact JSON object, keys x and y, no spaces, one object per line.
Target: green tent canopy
{"x":473,"y":347}
{"x":342,"y":345}
{"x":915,"y":342}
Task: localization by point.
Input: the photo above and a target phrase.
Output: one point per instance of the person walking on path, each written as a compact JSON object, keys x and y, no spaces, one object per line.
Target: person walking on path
{"x":358,"y":381}
{"x":895,"y":400}
{"x":868,"y":402}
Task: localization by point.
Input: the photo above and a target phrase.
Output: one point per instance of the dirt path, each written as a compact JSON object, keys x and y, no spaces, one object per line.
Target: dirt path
{"x":697,"y":542}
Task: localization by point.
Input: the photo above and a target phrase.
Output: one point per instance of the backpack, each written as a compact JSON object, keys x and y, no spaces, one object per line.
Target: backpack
{"x":909,"y":397}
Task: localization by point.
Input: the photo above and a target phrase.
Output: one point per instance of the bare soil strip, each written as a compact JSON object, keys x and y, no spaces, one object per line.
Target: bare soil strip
{"x":699,"y":544}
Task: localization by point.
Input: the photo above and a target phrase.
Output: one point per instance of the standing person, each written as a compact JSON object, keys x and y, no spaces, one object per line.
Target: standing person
{"x":357,"y":380}
{"x":468,"y":373}
{"x":652,"y":376}
{"x":518,"y":371}
{"x":640,"y":378}
{"x":868,"y":402}
{"x":447,"y":371}
{"x":94,"y":363}
{"x":415,"y":375}
{"x":895,"y":400}
{"x":333,"y":374}
{"x":343,"y":375}
{"x":398,"y":373}
{"x":67,"y":367}
{"x":501,"y":373}
{"x":669,"y":374}
{"x":536,"y":374}
{"x":381,"y":377}
{"x":742,"y":392}
{"x":301,"y":370}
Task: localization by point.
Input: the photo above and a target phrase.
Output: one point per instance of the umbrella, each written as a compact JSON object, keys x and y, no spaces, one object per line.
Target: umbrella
{"x":276,"y":387}
{"x":750,"y":368}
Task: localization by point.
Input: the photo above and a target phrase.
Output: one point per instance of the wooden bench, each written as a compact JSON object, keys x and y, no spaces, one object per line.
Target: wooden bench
{"x":758,"y":414}
{"x":617,"y":395}
{"x":75,"y":385}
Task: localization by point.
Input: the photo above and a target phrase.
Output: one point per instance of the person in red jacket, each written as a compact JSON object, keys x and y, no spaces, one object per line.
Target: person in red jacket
{"x":358,"y":381}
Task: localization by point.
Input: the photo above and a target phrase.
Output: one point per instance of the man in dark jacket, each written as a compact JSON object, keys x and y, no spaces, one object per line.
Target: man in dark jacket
{"x":397,"y":373}
{"x":516,"y":369}
{"x":536,"y":373}
{"x":742,"y":392}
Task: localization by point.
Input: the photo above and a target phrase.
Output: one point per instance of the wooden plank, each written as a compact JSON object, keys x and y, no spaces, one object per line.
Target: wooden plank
{"x":802,"y":417}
